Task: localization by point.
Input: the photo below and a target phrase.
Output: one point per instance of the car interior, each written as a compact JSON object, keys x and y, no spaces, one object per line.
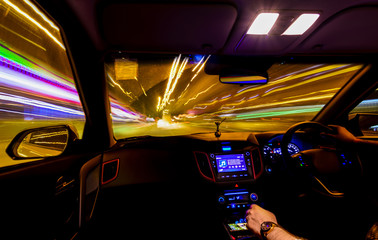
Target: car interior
{"x":126,"y":119}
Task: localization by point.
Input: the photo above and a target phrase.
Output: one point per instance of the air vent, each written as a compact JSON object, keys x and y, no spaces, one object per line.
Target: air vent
{"x":203,"y":165}
{"x":109,"y":171}
{"x":257,"y":163}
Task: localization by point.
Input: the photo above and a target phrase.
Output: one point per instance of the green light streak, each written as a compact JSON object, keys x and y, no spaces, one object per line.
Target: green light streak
{"x":15,"y":58}
{"x":9,"y":54}
{"x":277,"y":113}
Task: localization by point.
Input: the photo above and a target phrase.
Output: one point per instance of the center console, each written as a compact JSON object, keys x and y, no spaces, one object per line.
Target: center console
{"x":233,"y":202}
{"x":234,"y":170}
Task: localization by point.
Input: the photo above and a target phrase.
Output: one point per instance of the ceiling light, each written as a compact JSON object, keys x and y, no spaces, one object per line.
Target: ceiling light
{"x":302,"y":23}
{"x":263,"y":23}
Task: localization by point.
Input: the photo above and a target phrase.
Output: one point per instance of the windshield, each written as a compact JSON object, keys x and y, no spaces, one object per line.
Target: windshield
{"x":161,"y":95}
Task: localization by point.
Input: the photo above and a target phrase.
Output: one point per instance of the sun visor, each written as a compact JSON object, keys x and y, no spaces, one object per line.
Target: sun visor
{"x":202,"y":28}
{"x":350,"y":31}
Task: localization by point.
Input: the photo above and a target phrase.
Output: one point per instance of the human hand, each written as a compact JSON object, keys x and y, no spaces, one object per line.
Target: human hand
{"x":257,"y":215}
{"x":342,"y":134}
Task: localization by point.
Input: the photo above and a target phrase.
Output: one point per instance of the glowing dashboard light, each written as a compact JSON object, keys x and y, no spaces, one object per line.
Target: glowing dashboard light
{"x":226,"y":148}
{"x":302,"y":24}
{"x":263,"y":23}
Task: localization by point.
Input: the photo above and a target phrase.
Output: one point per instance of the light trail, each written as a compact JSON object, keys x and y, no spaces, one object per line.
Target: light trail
{"x":42,"y":15}
{"x":274,"y":104}
{"x":194,"y":76}
{"x":295,"y":76}
{"x":120,"y":87}
{"x":22,"y":37}
{"x":20,"y":81}
{"x":174,"y":74}
{"x":312,"y":93}
{"x":332,"y":74}
{"x":17,"y":9}
{"x":280,"y":112}
{"x":200,"y":93}
{"x":37,"y":103}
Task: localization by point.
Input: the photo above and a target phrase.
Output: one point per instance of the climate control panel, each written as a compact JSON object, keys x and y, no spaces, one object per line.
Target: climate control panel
{"x":237,"y":199}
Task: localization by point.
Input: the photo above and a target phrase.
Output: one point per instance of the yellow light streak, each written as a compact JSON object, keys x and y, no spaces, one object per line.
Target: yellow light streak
{"x":312,"y":93}
{"x":204,"y":91}
{"x":26,"y":39}
{"x":42,"y":15}
{"x":328,"y":75}
{"x":275,"y":104}
{"x":158,"y":105}
{"x":194,"y":76}
{"x":214,"y":101}
{"x":296,"y":76}
{"x":120,"y":87}
{"x":174,"y":74}
{"x":199,"y":63}
{"x":171,"y":76}
{"x":236,"y":103}
{"x":35,"y":23}
{"x":144,"y":92}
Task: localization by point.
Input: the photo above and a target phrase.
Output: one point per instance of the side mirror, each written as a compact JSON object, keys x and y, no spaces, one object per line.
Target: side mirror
{"x":363,"y":124}
{"x":41,"y":142}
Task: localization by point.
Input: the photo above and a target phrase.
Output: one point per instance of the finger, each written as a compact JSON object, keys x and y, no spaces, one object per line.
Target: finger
{"x":327,"y":134}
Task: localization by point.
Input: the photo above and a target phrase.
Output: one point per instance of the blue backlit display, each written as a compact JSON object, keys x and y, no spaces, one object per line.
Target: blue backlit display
{"x":226,"y":148}
{"x":231,"y":163}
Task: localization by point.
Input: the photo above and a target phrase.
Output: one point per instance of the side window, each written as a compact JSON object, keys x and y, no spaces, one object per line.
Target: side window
{"x":366,"y":115}
{"x":37,"y":87}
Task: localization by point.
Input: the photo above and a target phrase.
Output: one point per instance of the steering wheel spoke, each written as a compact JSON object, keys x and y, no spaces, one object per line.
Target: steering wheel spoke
{"x":330,"y":168}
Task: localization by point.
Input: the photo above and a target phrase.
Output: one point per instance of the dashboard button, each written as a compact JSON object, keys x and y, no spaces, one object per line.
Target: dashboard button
{"x":253,"y":197}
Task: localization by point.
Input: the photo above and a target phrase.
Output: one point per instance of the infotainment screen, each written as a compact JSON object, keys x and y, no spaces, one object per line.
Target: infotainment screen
{"x":237,"y":227}
{"x":231,"y":163}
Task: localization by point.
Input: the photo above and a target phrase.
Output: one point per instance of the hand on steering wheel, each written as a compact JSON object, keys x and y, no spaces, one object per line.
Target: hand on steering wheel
{"x":330,"y":168}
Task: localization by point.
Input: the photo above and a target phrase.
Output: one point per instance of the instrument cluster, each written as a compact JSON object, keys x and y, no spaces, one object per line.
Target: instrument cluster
{"x":272,"y":151}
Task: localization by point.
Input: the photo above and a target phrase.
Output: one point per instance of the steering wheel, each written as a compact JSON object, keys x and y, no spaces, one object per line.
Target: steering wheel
{"x":330,"y":168}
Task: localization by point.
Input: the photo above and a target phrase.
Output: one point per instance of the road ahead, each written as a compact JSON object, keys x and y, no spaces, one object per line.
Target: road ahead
{"x":152,"y":129}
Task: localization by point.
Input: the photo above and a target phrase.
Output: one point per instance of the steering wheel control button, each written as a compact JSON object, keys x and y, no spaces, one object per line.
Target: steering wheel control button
{"x":253,"y":197}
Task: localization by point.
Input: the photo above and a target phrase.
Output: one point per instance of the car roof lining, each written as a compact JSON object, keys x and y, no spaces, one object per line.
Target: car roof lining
{"x":220,"y":27}
{"x":147,"y":27}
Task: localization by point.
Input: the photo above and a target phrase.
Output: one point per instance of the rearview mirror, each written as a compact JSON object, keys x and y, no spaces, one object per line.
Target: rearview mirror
{"x":41,"y":142}
{"x":239,"y":70}
{"x":244,"y":79}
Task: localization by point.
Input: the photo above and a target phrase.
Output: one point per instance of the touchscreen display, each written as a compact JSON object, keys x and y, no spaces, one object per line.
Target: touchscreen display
{"x":231,"y":163}
{"x":237,"y":227}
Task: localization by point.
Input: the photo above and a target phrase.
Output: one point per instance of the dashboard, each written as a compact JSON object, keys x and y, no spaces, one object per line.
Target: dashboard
{"x":224,"y":173}
{"x":203,"y":183}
